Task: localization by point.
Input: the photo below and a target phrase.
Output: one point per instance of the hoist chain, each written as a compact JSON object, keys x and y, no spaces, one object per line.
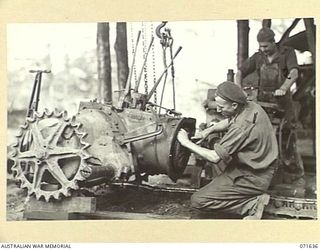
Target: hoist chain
{"x":144,"y":51}
{"x":154,"y":67}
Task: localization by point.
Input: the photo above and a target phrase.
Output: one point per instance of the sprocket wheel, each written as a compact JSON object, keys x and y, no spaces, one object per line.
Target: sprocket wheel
{"x":49,"y":155}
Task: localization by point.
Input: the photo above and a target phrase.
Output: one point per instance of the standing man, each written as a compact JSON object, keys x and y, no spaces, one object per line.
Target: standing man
{"x":246,"y":156}
{"x":277,"y":70}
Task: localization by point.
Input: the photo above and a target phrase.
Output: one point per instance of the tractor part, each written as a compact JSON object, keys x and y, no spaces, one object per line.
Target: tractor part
{"x":49,"y":155}
{"x":134,"y":141}
{"x":35,"y":94}
{"x":292,"y":207}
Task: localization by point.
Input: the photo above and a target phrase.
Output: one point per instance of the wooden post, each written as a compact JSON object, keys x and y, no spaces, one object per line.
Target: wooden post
{"x":120,"y":47}
{"x":104,"y":62}
{"x":309,"y":23}
{"x":243,"y":41}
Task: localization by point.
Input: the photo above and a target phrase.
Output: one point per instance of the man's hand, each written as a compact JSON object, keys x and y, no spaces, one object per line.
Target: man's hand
{"x":280,"y":92}
{"x":183,"y":137}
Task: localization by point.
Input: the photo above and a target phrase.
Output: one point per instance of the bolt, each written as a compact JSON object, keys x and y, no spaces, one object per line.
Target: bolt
{"x":278,"y":204}
{"x":297,"y":206}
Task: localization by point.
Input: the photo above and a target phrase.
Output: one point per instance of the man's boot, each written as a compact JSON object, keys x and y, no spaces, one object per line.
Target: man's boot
{"x":263,"y":200}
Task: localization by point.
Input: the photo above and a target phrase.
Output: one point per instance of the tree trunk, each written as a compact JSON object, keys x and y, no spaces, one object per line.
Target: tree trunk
{"x":243,"y":41}
{"x":122,"y":54}
{"x":104,"y":62}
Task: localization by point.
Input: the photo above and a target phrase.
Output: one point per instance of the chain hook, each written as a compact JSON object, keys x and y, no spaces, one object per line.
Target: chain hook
{"x":165,"y":37}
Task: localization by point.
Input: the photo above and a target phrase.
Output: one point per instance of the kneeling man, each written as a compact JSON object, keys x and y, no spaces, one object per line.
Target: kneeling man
{"x":246,"y":156}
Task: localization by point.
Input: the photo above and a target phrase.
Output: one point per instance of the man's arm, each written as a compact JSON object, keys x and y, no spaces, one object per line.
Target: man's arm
{"x":291,"y":78}
{"x":248,"y":66}
{"x":207,"y":154}
{"x":217,"y":127}
{"x":292,"y":66}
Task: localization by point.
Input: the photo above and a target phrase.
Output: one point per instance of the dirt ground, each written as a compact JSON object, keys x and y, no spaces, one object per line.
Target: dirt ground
{"x":121,"y":199}
{"x":117,"y":199}
{"x":15,"y":200}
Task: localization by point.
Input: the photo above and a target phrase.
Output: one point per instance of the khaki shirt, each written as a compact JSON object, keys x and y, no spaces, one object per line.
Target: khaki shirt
{"x":250,"y":139}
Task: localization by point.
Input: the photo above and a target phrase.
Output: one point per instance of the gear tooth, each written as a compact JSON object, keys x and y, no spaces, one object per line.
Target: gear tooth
{"x":47,"y":112}
{"x":38,"y":114}
{"x":47,"y":197}
{"x":65,"y":115}
{"x":84,"y":156}
{"x":74,"y":186}
{"x":30,"y":119}
{"x":66,"y":192}
{"x":56,"y":112}
{"x":38,"y":195}
{"x":15,"y":171}
{"x":24,"y":126}
{"x":56,"y":195}
{"x":30,"y":191}
{"x":19,"y":132}
{"x":59,"y":114}
{"x":18,"y":174}
{"x":73,"y":119}
{"x":14,"y":166}
{"x":23,"y":184}
{"x":79,"y":177}
{"x":14,"y":145}
{"x":13,"y":153}
{"x":82,"y":135}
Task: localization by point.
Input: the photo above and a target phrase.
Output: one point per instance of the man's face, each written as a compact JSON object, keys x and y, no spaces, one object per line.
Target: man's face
{"x":268,"y":48}
{"x":226,"y":108}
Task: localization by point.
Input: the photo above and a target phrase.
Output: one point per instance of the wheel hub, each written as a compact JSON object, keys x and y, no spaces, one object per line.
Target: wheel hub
{"x":50,"y":151}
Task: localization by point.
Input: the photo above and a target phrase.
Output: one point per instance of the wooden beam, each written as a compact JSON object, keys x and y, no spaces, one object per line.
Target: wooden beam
{"x":48,"y":215}
{"x":111,"y":215}
{"x":70,"y":205}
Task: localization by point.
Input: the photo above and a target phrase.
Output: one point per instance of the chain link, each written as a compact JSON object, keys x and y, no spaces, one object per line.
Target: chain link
{"x":144,"y":50}
{"x":154,"y":67}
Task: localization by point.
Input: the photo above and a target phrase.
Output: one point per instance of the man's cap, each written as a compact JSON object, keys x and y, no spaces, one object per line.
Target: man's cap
{"x":229,"y":91}
{"x":265,"y":35}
